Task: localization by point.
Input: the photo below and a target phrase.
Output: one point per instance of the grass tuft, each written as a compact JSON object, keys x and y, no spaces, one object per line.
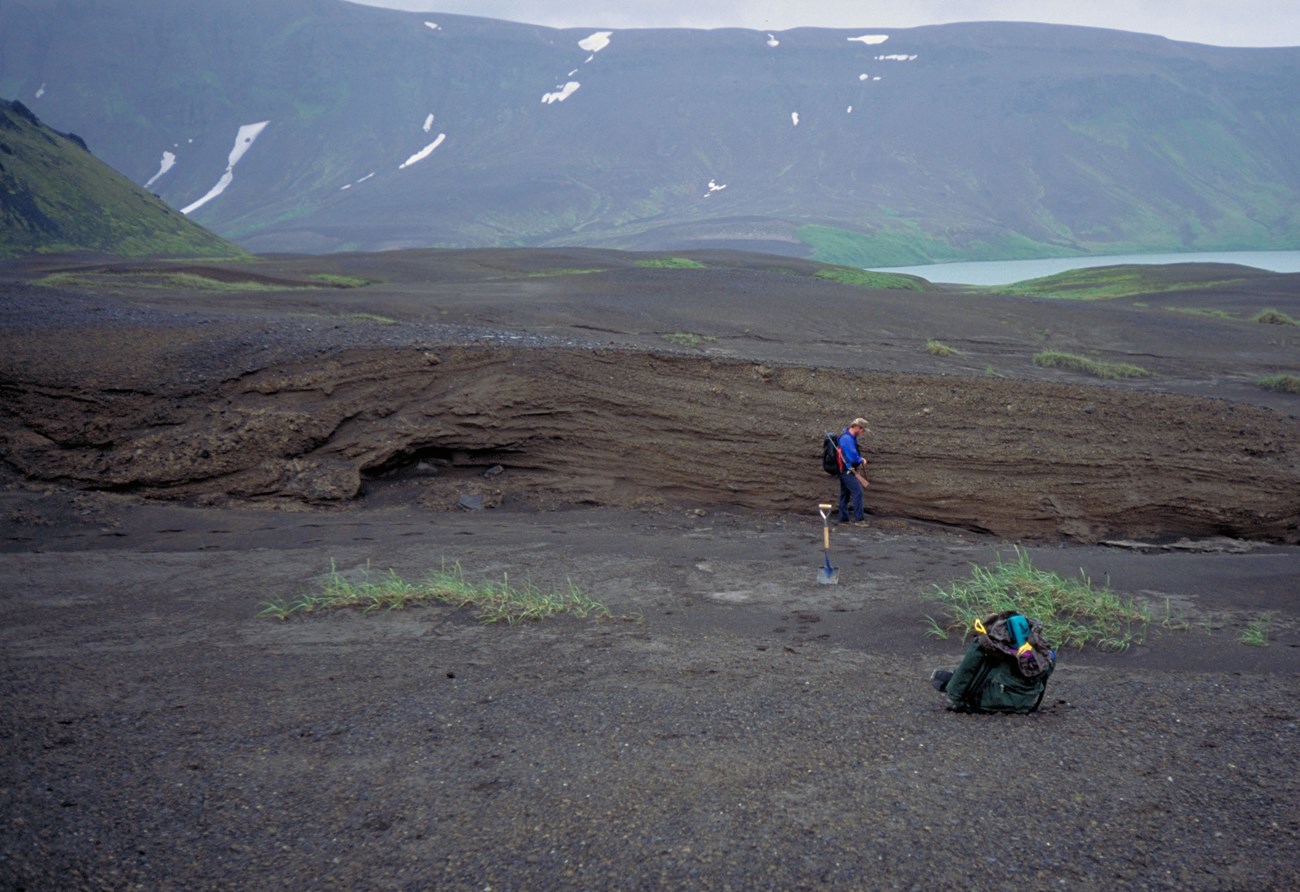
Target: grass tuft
{"x":688,"y":339}
{"x":491,"y":602}
{"x":1280,"y":383}
{"x":1074,"y":613}
{"x":938,"y":348}
{"x":335,"y":281}
{"x":1110,"y":371}
{"x":1256,"y":632}
{"x":1273,"y":317}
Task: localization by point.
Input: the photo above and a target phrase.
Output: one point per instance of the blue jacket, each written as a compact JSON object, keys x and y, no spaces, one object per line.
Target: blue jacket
{"x":849,"y":447}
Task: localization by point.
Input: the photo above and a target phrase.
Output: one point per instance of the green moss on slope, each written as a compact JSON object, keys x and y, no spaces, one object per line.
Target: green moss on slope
{"x":55,"y":196}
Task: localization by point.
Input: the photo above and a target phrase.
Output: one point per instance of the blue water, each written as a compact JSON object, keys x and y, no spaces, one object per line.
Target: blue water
{"x":1003,"y":272}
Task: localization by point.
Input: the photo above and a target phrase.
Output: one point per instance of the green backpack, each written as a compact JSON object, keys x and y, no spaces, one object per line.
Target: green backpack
{"x":1005,"y":669}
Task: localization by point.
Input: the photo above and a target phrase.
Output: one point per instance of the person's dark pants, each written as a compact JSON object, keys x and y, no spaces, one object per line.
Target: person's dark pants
{"x":851,"y":491}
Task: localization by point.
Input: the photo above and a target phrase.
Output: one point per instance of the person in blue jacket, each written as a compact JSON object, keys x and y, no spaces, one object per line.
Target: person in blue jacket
{"x":852,"y":472}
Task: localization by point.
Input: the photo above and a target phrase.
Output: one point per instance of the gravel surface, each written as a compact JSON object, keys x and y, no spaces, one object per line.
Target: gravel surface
{"x":172,"y":461}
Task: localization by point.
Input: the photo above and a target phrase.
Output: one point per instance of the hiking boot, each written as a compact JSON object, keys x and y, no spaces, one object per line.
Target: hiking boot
{"x":939,"y":679}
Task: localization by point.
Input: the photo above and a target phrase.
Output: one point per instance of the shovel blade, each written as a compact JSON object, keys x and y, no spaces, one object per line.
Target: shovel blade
{"x":828,"y":576}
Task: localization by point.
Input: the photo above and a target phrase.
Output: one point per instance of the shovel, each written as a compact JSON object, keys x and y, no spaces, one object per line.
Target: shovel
{"x":827,"y":575}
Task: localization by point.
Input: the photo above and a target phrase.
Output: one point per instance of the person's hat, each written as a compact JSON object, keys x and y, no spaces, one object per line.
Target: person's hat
{"x":860,"y":422}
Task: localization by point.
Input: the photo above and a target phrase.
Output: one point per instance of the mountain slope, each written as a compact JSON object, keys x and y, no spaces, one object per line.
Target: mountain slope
{"x":56,"y":196}
{"x":318,"y":125}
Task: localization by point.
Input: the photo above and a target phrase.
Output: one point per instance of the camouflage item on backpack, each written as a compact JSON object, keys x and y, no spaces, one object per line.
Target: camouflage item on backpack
{"x":1018,"y":637}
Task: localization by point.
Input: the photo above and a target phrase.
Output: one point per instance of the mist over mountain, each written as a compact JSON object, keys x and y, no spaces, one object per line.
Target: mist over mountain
{"x":319,"y":125}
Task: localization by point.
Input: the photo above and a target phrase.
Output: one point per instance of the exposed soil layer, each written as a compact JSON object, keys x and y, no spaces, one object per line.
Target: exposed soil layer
{"x":295,"y":397}
{"x":172,"y":460}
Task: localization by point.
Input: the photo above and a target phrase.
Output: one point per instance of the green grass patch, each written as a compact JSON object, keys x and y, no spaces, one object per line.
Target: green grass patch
{"x":184,"y":281}
{"x":491,"y":602}
{"x":938,"y":348}
{"x":332,"y":281}
{"x":688,"y":339}
{"x":1074,"y":612}
{"x":670,"y":263}
{"x":1106,"y":283}
{"x":1110,"y":371}
{"x":865,"y":278}
{"x":162,"y":280}
{"x":1256,"y":632}
{"x":1280,"y":383}
{"x":1273,"y":317}
{"x":562,"y":271}
{"x":67,"y":200}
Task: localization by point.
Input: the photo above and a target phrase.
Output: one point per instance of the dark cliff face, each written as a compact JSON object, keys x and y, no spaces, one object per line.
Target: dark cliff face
{"x":321,"y":126}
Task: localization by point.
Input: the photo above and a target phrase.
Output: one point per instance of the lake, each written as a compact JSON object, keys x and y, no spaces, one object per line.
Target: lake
{"x":1003,"y":272}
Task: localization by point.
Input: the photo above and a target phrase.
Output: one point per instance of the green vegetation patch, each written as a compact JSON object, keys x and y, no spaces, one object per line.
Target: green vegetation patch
{"x":189,"y":280}
{"x":688,"y":339}
{"x":1074,"y":612}
{"x":865,"y":278}
{"x":670,"y":263}
{"x":334,"y":281}
{"x":1280,"y":383}
{"x":938,"y":348}
{"x":1256,"y":632}
{"x":491,"y":602}
{"x":562,"y":271}
{"x":1108,"y":282}
{"x":901,"y":242}
{"x":1110,"y":371}
{"x":58,"y":197}
{"x":1273,"y":317}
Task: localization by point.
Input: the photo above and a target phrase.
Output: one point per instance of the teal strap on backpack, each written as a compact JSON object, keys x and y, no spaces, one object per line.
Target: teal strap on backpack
{"x":1018,"y":628}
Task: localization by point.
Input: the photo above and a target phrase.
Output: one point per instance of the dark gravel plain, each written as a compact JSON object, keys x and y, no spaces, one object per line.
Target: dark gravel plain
{"x":733,"y":724}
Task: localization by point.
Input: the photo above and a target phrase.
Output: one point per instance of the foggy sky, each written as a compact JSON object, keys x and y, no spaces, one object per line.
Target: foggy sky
{"x":1217,"y":22}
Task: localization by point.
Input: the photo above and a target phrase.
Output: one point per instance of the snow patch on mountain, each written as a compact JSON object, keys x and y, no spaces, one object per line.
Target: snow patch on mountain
{"x":244,"y":139}
{"x":593,"y":44}
{"x":358,"y":182}
{"x":168,"y":162}
{"x":869,"y":39}
{"x":562,"y":93}
{"x":596,"y":42}
{"x":428,"y":123}
{"x":423,"y":153}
